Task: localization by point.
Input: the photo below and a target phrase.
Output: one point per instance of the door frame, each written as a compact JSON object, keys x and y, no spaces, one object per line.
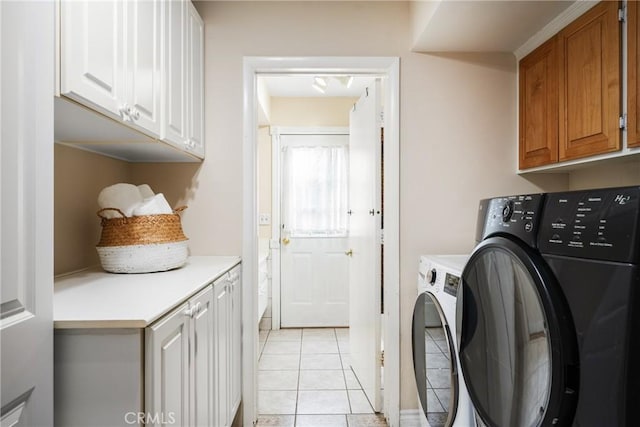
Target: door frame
{"x":276,"y":197}
{"x":388,"y":67}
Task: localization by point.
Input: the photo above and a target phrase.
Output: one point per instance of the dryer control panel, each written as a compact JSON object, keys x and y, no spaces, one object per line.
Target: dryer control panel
{"x":514,"y":215}
{"x":597,"y":224}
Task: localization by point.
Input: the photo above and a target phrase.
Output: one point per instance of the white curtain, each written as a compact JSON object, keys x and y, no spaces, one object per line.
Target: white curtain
{"x":315,"y":182}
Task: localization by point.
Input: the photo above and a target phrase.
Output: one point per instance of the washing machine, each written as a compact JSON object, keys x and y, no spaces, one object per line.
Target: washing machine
{"x":442,"y":393}
{"x":550,"y":312}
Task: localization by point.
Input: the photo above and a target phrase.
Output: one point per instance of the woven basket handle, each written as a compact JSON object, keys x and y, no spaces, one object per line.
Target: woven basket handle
{"x":179,"y":209}
{"x":109,"y":209}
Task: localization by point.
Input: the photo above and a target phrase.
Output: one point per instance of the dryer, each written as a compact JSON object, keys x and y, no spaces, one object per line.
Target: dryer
{"x":550,"y":310}
{"x":442,"y":393}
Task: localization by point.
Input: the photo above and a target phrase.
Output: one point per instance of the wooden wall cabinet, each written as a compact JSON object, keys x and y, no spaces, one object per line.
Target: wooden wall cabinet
{"x":539,"y":106}
{"x":570,"y":91}
{"x":590,"y":88}
{"x":633,"y":62}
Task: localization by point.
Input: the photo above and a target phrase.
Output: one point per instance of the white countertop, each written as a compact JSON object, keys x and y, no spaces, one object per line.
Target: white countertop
{"x":96,"y":299}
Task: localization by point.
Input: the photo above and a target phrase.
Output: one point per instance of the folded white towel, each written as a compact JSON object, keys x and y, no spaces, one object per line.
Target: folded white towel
{"x":145,"y":191}
{"x":125,"y":197}
{"x":154,"y":205}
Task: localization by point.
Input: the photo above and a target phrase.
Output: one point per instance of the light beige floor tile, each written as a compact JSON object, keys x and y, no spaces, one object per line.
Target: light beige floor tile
{"x":437,"y":360}
{"x":346,"y":360}
{"x":351,"y":380}
{"x":319,"y":347}
{"x":323,"y":402}
{"x":444,"y":396}
{"x":282,"y":347}
{"x":275,"y":421}
{"x":278,"y":380}
{"x":326,"y":333}
{"x":359,"y":402}
{"x":277,"y":402}
{"x":285,"y":335}
{"x":366,"y":420}
{"x":343,"y":346}
{"x":321,"y":421}
{"x":433,"y":404}
{"x":439,"y":378}
{"x":342,"y":332}
{"x":277,"y":362}
{"x":320,"y":361}
{"x":263,"y":334}
{"x":322,"y":380}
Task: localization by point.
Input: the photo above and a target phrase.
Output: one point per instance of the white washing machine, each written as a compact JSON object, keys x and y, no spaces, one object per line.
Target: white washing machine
{"x":442,"y":391}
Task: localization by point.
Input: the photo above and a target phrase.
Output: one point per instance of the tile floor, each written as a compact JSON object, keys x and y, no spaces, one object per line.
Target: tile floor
{"x":438,"y":376}
{"x":305,"y":379}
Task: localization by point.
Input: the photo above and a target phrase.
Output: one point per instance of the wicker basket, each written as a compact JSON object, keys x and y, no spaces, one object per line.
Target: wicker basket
{"x":141,"y":244}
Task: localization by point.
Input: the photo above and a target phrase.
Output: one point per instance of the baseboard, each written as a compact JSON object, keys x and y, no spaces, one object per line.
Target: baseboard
{"x":409,"y":418}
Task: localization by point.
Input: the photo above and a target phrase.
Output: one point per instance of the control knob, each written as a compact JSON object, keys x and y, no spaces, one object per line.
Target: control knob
{"x":507,"y":211}
{"x":431,"y":276}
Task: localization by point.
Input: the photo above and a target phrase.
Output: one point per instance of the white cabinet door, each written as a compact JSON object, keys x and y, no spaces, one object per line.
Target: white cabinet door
{"x":92,"y":44}
{"x":195,"y":82}
{"x":236,"y":339}
{"x":174,"y":67}
{"x":202,"y":353}
{"x":143,"y":65}
{"x":167,"y":372}
{"x":221,"y":377}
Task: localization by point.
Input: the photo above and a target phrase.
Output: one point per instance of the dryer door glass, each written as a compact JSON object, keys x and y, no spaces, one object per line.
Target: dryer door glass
{"x":434,"y":362}
{"x":505,"y":348}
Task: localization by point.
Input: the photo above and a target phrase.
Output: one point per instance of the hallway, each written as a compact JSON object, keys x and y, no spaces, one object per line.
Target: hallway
{"x":305,"y":379}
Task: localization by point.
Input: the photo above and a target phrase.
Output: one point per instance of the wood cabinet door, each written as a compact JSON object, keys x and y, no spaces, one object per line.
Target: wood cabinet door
{"x":633,"y":62}
{"x":167,"y":370}
{"x":202,"y":356}
{"x":538,"y":99}
{"x":589,"y":51}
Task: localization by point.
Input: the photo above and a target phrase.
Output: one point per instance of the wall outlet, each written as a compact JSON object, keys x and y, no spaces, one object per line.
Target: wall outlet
{"x":264,"y":219}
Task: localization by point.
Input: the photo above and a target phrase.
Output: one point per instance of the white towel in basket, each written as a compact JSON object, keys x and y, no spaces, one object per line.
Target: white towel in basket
{"x":125,"y":197}
{"x":154,"y":205}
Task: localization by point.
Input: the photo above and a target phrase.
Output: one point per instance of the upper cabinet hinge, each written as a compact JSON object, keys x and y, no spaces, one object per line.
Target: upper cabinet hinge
{"x":622,"y":14}
{"x":623,"y":121}
{"x":382,"y":358}
{"x":382,"y":118}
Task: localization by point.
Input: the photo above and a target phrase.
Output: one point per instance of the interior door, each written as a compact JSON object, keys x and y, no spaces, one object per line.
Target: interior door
{"x":314,"y":264}
{"x":364,"y":225}
{"x":26,"y":222}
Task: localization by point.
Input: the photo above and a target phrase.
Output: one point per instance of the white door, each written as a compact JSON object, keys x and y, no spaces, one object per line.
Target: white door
{"x":92,"y":46}
{"x":365,"y":223}
{"x":143,"y":63}
{"x":314,"y":240}
{"x":174,"y":69}
{"x":26,"y":221}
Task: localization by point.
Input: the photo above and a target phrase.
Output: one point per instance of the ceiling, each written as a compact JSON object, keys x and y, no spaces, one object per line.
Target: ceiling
{"x":482,"y":26}
{"x":301,"y":85}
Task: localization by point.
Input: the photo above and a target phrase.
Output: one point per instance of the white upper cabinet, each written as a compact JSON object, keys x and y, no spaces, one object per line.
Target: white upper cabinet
{"x":92,"y":54}
{"x":139,"y":62}
{"x":183,"y":68}
{"x":195,"y":81}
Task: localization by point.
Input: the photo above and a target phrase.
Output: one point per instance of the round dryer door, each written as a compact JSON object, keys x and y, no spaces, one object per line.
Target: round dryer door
{"x":434,"y":362}
{"x":517,"y":345}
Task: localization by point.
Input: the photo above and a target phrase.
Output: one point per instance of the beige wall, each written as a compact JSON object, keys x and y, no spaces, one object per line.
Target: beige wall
{"x":329,"y":111}
{"x":458,"y":127}
{"x":78,"y":178}
{"x":620,"y":174}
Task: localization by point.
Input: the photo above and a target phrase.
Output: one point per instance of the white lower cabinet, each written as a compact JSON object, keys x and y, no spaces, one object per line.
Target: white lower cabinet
{"x":183,"y":369}
{"x":228,"y":347}
{"x":179,"y":365}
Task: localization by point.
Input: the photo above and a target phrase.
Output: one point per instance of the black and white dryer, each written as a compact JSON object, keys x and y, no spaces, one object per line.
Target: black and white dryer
{"x":550,"y":316}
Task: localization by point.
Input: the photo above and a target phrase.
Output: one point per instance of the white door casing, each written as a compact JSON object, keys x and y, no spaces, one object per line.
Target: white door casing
{"x":388,"y":67}
{"x":365,"y":224}
{"x":314,"y":271}
{"x":26,"y":221}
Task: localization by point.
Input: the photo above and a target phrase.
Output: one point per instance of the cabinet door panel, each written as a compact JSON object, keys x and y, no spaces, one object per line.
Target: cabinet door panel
{"x":590,"y":83}
{"x":236,"y":339}
{"x":92,"y":53}
{"x":539,"y":106}
{"x":195,"y":90}
{"x":221,"y":351}
{"x":202,"y":351}
{"x":174,"y":103}
{"x":633,"y":62}
{"x":167,"y":370}
{"x":143,"y":62}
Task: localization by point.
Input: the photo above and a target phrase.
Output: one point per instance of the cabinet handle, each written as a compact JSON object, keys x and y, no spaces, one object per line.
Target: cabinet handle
{"x":136,"y":114}
{"x":125,"y":111}
{"x":189,"y":312}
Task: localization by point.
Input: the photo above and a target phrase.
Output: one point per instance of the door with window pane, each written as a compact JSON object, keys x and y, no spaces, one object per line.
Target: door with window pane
{"x":314,"y":231}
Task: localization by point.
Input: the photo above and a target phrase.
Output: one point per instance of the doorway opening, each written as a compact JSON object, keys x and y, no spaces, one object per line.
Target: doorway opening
{"x":373,"y":67}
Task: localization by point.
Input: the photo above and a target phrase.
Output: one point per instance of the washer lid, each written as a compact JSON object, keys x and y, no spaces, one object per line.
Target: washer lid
{"x":517,"y":345}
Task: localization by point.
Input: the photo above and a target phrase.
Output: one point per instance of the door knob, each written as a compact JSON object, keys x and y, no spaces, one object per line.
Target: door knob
{"x":349,"y":252}
{"x":285,"y":240}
